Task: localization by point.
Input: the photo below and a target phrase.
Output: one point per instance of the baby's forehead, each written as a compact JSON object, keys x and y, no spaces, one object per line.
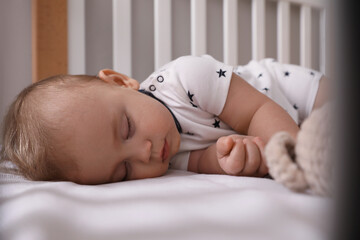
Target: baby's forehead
{"x":56,"y":105}
{"x":75,"y":90}
{"x":72,"y":100}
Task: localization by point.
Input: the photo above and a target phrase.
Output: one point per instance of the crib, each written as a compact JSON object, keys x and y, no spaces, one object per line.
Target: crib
{"x":178,"y":205}
{"x":233,"y":31}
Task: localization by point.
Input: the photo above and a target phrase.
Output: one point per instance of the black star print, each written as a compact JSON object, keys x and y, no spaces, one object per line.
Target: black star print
{"x":190,"y":133}
{"x":265,"y":89}
{"x":260,"y":75}
{"x":193,"y":105}
{"x":312,"y":73}
{"x":221,"y":73}
{"x":296,"y":107}
{"x":216,"y":123}
{"x":286,"y":74}
{"x":190,"y":96}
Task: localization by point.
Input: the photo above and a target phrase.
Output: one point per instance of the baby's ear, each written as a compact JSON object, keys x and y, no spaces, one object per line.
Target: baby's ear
{"x":110,"y":76}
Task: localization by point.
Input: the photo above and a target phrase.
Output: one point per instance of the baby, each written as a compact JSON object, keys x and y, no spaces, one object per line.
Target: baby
{"x":194,"y":113}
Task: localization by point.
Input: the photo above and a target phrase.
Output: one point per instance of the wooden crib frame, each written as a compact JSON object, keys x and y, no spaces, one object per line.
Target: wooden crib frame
{"x":51,"y":40}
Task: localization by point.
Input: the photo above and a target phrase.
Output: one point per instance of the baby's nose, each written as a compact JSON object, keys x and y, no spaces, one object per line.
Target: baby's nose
{"x":144,"y":152}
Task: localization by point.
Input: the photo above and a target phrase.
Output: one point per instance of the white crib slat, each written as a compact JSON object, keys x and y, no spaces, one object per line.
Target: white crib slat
{"x":122,"y":36}
{"x":305,"y":36}
{"x":162,"y":21}
{"x":198,"y":27}
{"x":258,"y":29}
{"x":76,"y":37}
{"x":230,"y":32}
{"x":323,"y":41}
{"x":283,"y":32}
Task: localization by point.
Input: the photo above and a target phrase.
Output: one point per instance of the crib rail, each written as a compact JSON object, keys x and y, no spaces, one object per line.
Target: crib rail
{"x":230,"y":32}
{"x":122,"y":36}
{"x":122,"y":25}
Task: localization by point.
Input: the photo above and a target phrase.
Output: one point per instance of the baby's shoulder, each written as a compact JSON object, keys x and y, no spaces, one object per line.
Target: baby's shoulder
{"x":190,"y":61}
{"x":188,"y":72}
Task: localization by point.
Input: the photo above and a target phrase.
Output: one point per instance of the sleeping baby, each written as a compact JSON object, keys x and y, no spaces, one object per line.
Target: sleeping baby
{"x":194,"y":113}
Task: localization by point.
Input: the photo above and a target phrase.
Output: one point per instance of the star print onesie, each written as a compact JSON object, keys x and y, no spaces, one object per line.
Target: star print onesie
{"x":195,"y":90}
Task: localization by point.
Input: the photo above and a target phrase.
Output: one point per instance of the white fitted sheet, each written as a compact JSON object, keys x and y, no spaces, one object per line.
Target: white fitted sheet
{"x":179,"y":205}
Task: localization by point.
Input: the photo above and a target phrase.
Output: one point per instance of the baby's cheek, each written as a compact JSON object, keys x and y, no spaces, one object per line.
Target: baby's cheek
{"x":149,"y":171}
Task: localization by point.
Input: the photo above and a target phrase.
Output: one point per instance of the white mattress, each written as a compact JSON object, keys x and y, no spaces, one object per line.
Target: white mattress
{"x":179,"y":205}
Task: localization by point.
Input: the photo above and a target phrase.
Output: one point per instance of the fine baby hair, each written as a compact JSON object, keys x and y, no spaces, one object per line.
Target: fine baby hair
{"x":30,"y":126}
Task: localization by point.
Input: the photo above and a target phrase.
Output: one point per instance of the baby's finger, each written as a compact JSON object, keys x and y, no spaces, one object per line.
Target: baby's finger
{"x":236,"y":160}
{"x":253,"y":158}
{"x":263,"y":169}
{"x":261,"y":145}
{"x":224,"y":146}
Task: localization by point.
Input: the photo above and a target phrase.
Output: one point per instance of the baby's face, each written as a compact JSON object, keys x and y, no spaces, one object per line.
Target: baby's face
{"x":116,"y":133}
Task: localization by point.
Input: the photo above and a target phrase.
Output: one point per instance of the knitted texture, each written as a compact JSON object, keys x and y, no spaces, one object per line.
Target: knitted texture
{"x":305,"y":165}
{"x":280,"y":156}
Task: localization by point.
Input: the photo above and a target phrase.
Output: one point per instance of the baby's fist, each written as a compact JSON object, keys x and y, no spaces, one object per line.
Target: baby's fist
{"x":241,"y":155}
{"x":231,"y":155}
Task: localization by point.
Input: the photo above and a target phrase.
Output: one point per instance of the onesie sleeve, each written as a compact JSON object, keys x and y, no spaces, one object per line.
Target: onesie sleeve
{"x":205,"y":80}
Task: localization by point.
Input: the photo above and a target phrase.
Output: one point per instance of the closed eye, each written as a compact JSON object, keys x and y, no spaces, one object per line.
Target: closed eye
{"x":125,"y":127}
{"x":129,"y":128}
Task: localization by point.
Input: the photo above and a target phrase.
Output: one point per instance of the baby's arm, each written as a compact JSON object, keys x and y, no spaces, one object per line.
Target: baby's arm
{"x":248,"y":112}
{"x":252,"y":113}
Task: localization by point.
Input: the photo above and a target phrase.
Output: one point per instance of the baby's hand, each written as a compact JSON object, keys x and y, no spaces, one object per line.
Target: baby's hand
{"x":241,"y":155}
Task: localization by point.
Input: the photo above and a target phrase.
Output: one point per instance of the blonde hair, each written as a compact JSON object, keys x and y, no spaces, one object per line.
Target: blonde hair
{"x":28,"y":139}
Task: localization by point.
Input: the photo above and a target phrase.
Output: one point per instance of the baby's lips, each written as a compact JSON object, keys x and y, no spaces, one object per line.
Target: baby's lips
{"x":165,"y":151}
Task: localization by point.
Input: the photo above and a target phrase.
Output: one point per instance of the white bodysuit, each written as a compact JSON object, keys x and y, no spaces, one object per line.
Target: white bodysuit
{"x":195,"y":90}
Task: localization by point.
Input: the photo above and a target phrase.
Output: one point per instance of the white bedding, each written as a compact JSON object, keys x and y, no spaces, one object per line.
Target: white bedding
{"x":179,"y":205}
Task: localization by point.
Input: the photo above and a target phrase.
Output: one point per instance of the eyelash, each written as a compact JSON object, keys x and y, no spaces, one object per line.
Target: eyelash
{"x":129,"y":127}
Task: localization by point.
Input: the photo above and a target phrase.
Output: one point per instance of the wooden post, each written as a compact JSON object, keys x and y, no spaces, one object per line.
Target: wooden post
{"x":49,"y":38}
